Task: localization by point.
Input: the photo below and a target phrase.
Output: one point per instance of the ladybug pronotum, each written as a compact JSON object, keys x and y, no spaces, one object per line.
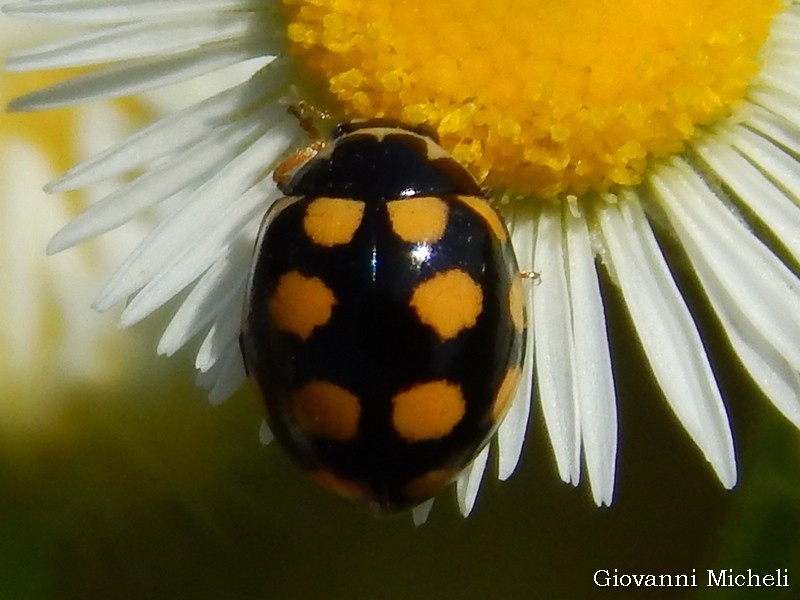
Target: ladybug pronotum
{"x":384,"y":319}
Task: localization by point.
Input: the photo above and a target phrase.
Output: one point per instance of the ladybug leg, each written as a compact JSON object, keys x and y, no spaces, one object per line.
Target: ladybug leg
{"x":531,"y":276}
{"x":306,"y":114}
{"x":283,"y":172}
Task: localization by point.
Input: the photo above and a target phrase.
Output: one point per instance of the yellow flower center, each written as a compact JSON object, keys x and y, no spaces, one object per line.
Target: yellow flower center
{"x":535,"y":96}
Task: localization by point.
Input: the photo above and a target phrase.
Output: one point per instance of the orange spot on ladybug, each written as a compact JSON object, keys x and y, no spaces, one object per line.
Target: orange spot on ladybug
{"x":300,"y":303}
{"x":326,"y":410}
{"x":421,"y":219}
{"x":516,"y":304}
{"x":429,"y":484}
{"x":489,"y":214}
{"x":506,"y":392}
{"x":427,"y":411}
{"x":351,"y":490}
{"x":332,"y":221}
{"x":448,"y":302}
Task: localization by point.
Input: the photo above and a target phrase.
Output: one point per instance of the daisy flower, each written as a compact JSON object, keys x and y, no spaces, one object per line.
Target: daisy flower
{"x":590,"y":136}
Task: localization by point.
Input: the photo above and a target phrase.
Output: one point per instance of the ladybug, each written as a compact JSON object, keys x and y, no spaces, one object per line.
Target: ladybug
{"x":384,"y":320}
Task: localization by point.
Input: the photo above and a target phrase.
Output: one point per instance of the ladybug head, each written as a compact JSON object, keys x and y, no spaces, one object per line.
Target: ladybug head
{"x":346,"y":127}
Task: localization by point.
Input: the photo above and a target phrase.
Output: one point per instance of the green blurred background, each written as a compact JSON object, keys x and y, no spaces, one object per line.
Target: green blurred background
{"x":142,"y":490}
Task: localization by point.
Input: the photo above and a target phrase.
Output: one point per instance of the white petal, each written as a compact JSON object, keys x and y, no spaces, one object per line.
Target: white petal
{"x":110,"y":11}
{"x":779,"y":78}
{"x":768,"y":202}
{"x":773,"y":374}
{"x":223,"y":333}
{"x":227,"y":377}
{"x":553,"y":332}
{"x":179,"y":174}
{"x":136,"y":77}
{"x":593,"y":382}
{"x":132,"y":40}
{"x":183,"y":245}
{"x":178,"y":131}
{"x":755,"y":295}
{"x":668,"y":334}
{"x":207,"y":242}
{"x":512,"y":430}
{"x":780,"y":166}
{"x":265,"y":435}
{"x":786,"y":25}
{"x":469,"y":482}
{"x":522,"y":226}
{"x":420,"y":512}
{"x":780,"y":103}
{"x":761,"y":285}
{"x":219,"y":289}
{"x":784,"y":133}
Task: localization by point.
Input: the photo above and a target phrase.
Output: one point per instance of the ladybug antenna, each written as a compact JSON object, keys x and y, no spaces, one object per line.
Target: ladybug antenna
{"x":308,"y":116}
